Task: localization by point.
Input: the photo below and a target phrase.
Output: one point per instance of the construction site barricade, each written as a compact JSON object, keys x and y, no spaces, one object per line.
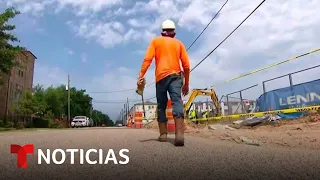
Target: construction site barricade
{"x":171,"y":124}
{"x":129,"y":124}
{"x":138,"y":120}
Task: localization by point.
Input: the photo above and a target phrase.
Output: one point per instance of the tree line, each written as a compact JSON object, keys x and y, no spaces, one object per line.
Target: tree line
{"x":44,"y":103}
{"x":52,"y":103}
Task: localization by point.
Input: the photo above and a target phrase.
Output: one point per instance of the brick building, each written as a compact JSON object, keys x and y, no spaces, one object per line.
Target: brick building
{"x":20,"y":79}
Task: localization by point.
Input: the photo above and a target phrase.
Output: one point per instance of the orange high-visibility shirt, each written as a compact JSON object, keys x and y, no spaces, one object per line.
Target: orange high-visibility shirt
{"x":167,"y":52}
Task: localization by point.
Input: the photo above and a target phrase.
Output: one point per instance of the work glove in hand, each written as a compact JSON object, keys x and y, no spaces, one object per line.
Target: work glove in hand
{"x":141,"y":83}
{"x":185,"y":89}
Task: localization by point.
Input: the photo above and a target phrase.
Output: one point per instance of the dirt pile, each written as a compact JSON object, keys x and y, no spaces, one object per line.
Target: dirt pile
{"x":301,"y":133}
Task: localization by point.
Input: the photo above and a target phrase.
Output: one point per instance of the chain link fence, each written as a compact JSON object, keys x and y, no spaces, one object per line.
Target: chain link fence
{"x":234,"y":105}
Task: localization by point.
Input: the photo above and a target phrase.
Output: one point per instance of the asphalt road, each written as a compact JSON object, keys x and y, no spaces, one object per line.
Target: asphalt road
{"x":199,"y":159}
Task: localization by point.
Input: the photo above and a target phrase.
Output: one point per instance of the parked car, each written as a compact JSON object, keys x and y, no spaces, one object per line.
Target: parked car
{"x":91,"y":123}
{"x":80,"y":121}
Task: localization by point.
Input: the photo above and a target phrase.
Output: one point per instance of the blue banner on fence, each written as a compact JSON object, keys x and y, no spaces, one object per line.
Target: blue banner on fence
{"x":305,"y":94}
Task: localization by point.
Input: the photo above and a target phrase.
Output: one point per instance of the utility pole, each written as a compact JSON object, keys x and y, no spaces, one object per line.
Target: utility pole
{"x":98,"y":117}
{"x":128,"y":107}
{"x":207,"y":108}
{"x":91,"y":113}
{"x":68,"y":89}
{"x":124,"y":114}
{"x":121,"y":115}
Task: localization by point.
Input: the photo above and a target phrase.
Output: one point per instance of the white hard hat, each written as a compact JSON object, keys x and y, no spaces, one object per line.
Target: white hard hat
{"x":168,"y":24}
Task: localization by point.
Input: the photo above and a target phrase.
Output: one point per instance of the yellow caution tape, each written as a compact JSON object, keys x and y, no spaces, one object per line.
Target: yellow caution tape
{"x":259,"y":114}
{"x":267,"y":67}
{"x":264,"y":68}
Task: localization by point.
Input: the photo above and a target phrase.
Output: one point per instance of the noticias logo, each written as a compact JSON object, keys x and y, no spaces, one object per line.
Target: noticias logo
{"x":84,"y":156}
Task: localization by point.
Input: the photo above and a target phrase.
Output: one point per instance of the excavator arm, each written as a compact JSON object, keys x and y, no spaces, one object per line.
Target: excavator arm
{"x":203,"y":92}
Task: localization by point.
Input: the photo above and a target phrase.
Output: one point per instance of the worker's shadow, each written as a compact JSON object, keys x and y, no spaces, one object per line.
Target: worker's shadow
{"x":169,"y":140}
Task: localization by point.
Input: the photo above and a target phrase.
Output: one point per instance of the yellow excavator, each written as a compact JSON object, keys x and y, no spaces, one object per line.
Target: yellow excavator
{"x":203,"y":92}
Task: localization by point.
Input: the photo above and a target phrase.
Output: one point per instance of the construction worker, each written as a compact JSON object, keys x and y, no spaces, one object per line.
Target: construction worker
{"x":198,"y":115}
{"x":193,"y":114}
{"x":168,"y":52}
{"x":190,"y":114}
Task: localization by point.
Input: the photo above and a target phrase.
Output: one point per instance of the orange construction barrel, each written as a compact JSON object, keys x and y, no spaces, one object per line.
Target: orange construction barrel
{"x":129,"y":123}
{"x":138,"y":120}
{"x":171,"y":124}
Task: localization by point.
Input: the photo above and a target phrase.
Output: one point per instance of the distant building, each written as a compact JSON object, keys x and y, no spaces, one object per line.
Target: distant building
{"x":233,"y":108}
{"x":20,"y":79}
{"x":150,"y":110}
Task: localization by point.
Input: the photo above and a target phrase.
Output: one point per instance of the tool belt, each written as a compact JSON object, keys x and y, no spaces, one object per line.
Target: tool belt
{"x":181,"y":74}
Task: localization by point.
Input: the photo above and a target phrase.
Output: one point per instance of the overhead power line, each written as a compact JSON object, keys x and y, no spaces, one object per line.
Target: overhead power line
{"x":227,"y":36}
{"x":224,"y":39}
{"x":111,"y":102}
{"x":120,"y":102}
{"x":108,"y":92}
{"x":202,"y":30}
{"x":133,"y":89}
{"x":207,"y":25}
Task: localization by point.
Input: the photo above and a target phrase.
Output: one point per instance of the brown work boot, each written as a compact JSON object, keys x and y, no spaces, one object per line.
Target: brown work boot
{"x":179,"y":139}
{"x":163,"y":131}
